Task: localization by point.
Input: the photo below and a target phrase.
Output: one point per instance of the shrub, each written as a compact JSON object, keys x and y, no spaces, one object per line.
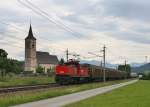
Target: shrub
{"x":40,"y":70}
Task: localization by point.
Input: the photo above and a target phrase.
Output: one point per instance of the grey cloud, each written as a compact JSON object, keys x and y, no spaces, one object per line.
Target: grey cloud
{"x":130,"y":36}
{"x":124,"y":10}
{"x":8,"y":15}
{"x":144,"y":30}
{"x":84,"y":11}
{"x":130,"y":9}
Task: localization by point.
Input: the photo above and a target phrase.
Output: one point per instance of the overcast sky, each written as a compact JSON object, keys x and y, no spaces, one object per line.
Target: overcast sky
{"x":82,"y":26}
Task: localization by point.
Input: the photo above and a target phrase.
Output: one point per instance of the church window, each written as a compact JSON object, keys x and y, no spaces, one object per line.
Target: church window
{"x":32,"y":45}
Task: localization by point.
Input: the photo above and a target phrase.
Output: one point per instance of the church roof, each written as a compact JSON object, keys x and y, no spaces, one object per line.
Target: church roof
{"x":46,"y":58}
{"x":30,"y":34}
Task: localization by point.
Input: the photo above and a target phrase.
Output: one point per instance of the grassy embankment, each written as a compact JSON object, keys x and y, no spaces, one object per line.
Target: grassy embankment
{"x":135,"y":95}
{"x":28,"y":96}
{"x":16,"y":80}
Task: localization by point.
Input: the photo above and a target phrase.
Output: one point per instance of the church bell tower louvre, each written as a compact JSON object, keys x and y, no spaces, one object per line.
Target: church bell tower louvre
{"x":30,"y":52}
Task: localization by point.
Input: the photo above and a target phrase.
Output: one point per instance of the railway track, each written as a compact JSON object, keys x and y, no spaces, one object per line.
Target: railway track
{"x":27,"y":87}
{"x":34,"y":87}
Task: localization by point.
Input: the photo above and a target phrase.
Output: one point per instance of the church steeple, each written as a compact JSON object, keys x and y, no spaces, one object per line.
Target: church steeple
{"x":30,"y":52}
{"x":30,"y":34}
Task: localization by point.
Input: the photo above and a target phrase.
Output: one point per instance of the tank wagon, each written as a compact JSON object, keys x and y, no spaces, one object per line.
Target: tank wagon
{"x":73,"y":72}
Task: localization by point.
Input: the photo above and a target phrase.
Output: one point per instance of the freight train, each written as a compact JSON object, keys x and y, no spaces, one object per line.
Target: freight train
{"x":74,"y":72}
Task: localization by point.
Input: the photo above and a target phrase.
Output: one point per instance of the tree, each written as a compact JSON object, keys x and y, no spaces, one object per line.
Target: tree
{"x":3,"y":53}
{"x":10,"y":66}
{"x":39,"y":70}
{"x":126,"y":68}
{"x":61,"y":61}
{"x":145,"y":76}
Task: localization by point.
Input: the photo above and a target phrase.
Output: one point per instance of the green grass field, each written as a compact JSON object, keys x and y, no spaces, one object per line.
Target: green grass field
{"x":134,"y":95}
{"x":16,"y":80}
{"x":28,"y":96}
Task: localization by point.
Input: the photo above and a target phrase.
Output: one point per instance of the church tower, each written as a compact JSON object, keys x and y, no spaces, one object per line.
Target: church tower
{"x":30,"y":52}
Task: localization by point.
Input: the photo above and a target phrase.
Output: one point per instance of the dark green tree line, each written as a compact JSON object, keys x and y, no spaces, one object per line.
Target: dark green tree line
{"x":9,"y":65}
{"x":126,"y":68}
{"x":3,"y":53}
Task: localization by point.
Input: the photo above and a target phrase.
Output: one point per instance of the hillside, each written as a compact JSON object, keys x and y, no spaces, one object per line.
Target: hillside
{"x":141,"y":69}
{"x":94,"y":62}
{"x":109,"y":65}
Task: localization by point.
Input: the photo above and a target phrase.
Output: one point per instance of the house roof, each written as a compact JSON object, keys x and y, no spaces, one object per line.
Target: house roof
{"x":30,"y":34}
{"x":45,"y":58}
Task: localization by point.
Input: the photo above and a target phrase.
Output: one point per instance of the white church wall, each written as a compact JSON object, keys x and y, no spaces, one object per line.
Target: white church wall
{"x":48,"y":66}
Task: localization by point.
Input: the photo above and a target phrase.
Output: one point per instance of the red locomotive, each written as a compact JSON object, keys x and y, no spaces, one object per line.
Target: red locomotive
{"x":73,"y":72}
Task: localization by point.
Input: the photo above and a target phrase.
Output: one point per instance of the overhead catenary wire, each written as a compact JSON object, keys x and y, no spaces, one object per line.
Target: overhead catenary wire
{"x":39,"y":12}
{"x":18,"y":29}
{"x":7,"y":43}
{"x":12,"y":43}
{"x":52,"y":19}
{"x":28,"y":6}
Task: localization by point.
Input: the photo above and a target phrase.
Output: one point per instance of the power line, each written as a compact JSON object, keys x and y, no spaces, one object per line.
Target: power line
{"x":75,"y":55}
{"x":52,"y":19}
{"x":104,"y":60}
{"x":7,"y":43}
{"x":11,"y":36}
{"x":47,"y":17}
{"x":18,"y":29}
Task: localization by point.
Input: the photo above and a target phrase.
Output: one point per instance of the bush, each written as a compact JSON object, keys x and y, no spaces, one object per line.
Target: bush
{"x":146,"y":76}
{"x":10,"y":66}
{"x":40,"y":70}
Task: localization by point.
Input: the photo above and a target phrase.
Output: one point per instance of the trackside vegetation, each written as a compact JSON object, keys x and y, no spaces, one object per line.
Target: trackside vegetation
{"x":10,"y":99}
{"x":12,"y":73}
{"x":134,"y":95}
{"x":18,"y":80}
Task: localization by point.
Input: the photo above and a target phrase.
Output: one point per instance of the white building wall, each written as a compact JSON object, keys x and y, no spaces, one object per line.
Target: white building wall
{"x":47,"y":66}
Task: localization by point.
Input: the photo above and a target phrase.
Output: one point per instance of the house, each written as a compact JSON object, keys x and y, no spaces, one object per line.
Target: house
{"x":46,"y":61}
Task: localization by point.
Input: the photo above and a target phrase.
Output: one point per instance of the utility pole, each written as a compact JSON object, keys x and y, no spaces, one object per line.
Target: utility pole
{"x":125,"y":64}
{"x":101,"y":64}
{"x":67,"y":54}
{"x":146,"y":59}
{"x":104,"y":60}
{"x":73,"y":54}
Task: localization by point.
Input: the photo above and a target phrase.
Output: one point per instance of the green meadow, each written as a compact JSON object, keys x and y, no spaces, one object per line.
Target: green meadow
{"x":134,"y":95}
{"x":17,"y":80}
